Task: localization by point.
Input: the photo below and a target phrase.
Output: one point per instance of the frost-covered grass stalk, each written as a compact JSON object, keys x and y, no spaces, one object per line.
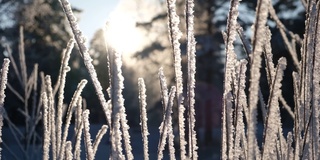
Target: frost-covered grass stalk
{"x":3,"y":84}
{"x":143,"y":117}
{"x":56,"y":116}
{"x":240,"y":109}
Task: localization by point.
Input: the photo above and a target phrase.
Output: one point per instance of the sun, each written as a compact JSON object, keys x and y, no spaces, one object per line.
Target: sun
{"x":122,"y":34}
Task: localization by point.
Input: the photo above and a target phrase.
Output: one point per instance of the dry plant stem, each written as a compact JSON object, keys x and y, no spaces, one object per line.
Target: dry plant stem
{"x":241,"y":102}
{"x":304,"y":3}
{"x":73,"y":103}
{"x":315,"y":95}
{"x":119,"y":120}
{"x":247,"y":48}
{"x":169,"y":124}
{"x":99,"y":136}
{"x":273,"y":121}
{"x":306,"y":85}
{"x":46,"y":129}
{"x":297,"y":124}
{"x":115,"y":93}
{"x":13,"y":63}
{"x":315,"y":86}
{"x":175,"y":35}
{"x":143,"y":117}
{"x":282,"y":30}
{"x":23,"y":71}
{"x":163,"y":89}
{"x":87,"y":136}
{"x":69,"y":155}
{"x":35,"y":114}
{"x":3,"y":83}
{"x":245,"y":43}
{"x":80,"y":40}
{"x":165,"y":125}
{"x":52,"y":116}
{"x":15,"y":92}
{"x":270,"y":68}
{"x":126,"y":136}
{"x":64,"y":68}
{"x":17,"y":73}
{"x":191,"y":50}
{"x":78,"y":129}
{"x":231,"y":59}
{"x":257,"y":43}
{"x":289,"y":146}
{"x":64,"y":64}
{"x":22,"y":59}
{"x":164,"y":99}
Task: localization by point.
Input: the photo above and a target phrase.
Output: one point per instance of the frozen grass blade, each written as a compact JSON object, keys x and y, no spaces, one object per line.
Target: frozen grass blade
{"x":273,"y":121}
{"x":241,"y":102}
{"x":46,"y":134}
{"x":164,"y":99}
{"x":22,"y":58}
{"x":99,"y":136}
{"x":308,"y":84}
{"x":283,"y":31}
{"x":163,"y":89}
{"x":69,"y":155}
{"x":169,"y":123}
{"x":165,"y":127}
{"x":191,"y":49}
{"x":231,"y":59}
{"x":316,"y":91}
{"x":73,"y":103}
{"x":143,"y":117}
{"x":257,"y":43}
{"x":62,"y":82}
{"x":78,"y":129}
{"x":52,"y":116}
{"x":270,"y":67}
{"x":289,"y":146}
{"x":175,"y":35}
{"x":119,"y":120}
{"x":126,"y":136}
{"x":3,"y":84}
{"x":80,"y":40}
{"x":87,"y":136}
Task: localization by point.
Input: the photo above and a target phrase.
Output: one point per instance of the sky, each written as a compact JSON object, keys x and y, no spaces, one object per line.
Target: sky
{"x":94,"y":14}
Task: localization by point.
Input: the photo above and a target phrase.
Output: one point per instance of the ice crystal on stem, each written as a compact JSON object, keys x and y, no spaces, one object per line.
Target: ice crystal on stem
{"x":3,"y":84}
{"x":231,"y":59}
{"x":273,"y":122}
{"x":143,"y":117}
{"x":257,"y":43}
{"x":62,"y":81}
{"x":87,"y":136}
{"x":119,"y":120}
{"x":80,"y":40}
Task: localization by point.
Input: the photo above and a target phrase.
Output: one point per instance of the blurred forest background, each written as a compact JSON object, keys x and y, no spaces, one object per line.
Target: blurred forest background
{"x":46,"y":33}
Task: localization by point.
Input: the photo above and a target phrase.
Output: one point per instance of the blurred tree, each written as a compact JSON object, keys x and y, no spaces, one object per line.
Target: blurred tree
{"x":45,"y":36}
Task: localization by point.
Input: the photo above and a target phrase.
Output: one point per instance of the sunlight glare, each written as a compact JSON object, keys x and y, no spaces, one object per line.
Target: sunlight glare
{"x":122,"y":34}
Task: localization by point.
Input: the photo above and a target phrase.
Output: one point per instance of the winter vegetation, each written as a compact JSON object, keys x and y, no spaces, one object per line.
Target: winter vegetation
{"x":243,"y":100}
{"x":240,"y":106}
